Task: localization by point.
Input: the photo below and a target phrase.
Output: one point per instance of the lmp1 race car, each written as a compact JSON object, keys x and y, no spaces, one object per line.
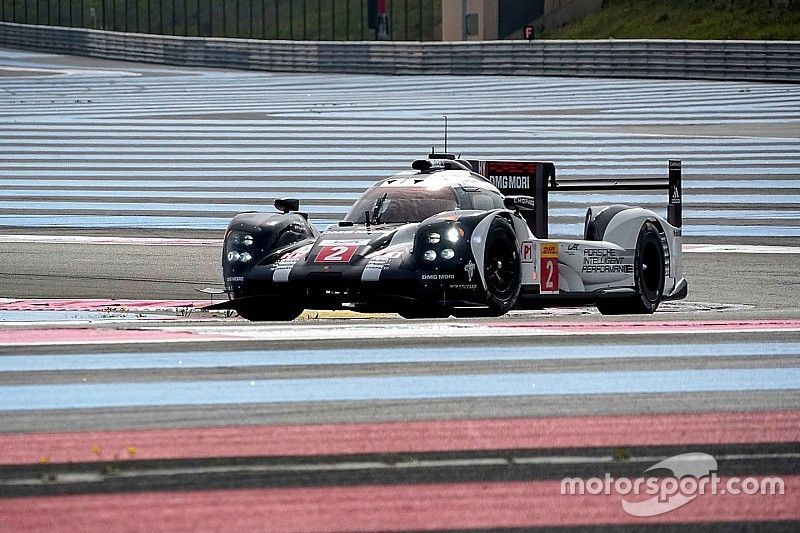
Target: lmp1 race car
{"x":457,"y":237}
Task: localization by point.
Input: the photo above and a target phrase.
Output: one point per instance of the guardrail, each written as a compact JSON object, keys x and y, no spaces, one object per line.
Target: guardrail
{"x":724,"y":60}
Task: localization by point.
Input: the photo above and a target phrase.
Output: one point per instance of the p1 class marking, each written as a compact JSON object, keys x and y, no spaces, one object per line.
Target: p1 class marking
{"x":336,"y":253}
{"x":527,"y":252}
{"x":549,"y":268}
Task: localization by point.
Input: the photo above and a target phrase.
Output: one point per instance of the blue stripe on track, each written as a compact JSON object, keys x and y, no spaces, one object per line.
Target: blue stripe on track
{"x":109,"y":395}
{"x":461,"y":354}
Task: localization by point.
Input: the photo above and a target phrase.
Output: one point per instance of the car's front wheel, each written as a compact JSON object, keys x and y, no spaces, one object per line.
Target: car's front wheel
{"x":501,"y":267}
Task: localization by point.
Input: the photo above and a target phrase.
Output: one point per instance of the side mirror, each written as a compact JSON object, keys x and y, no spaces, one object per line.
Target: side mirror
{"x":519,"y":203}
{"x":287,"y":205}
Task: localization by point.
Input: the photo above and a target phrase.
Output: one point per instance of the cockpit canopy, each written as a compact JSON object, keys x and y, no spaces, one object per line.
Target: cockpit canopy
{"x":401,"y":204}
{"x":413,"y":197}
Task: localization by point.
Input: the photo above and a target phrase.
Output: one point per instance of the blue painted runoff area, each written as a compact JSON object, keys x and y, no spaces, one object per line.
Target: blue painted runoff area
{"x":460,"y":354}
{"x":111,"y":395}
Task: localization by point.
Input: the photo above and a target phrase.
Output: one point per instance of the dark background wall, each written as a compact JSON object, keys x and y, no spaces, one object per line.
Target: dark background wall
{"x":514,"y":14}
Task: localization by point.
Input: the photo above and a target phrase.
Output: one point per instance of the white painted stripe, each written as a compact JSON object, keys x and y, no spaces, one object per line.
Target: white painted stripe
{"x":94,"y":475}
{"x":453,"y":330}
{"x":398,"y":332}
{"x":101,"y":240}
{"x":67,"y":71}
{"x":204,"y":209}
{"x":739,"y":249}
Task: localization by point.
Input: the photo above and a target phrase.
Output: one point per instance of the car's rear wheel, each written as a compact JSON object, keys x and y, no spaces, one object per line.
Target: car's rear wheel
{"x":648,"y":277}
{"x":264,"y":310}
{"x":501,"y":267}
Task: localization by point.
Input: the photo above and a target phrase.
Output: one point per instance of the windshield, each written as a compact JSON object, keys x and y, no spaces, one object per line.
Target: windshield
{"x":391,"y":205}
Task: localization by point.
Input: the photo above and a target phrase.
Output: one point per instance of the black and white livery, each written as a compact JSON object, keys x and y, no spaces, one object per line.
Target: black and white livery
{"x":457,"y":237}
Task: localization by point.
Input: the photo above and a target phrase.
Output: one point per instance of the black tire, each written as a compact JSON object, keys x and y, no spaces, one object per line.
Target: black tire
{"x":648,"y":277}
{"x":264,"y":311}
{"x":501,"y":267}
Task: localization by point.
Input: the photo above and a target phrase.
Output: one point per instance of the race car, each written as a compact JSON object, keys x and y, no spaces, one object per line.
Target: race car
{"x":456,"y":237}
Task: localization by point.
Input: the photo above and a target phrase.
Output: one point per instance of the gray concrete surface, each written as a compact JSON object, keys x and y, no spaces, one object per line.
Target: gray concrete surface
{"x":767,"y":282}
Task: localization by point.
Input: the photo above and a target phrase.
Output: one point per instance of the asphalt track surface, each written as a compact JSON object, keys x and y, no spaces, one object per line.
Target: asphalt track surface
{"x":125,"y":408}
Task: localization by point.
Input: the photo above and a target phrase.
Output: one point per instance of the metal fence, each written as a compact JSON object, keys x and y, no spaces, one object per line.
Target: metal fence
{"x":328,"y":20}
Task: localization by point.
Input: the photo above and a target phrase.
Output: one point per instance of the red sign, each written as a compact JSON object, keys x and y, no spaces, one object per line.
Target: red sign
{"x":515,"y":168}
{"x":548,"y":264}
{"x":528,"y":33}
{"x":336,"y":253}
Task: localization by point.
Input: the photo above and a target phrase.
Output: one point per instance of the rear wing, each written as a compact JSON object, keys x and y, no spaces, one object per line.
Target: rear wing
{"x":537,"y":179}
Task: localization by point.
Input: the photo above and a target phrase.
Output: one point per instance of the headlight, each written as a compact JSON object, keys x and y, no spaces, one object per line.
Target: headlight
{"x":453,"y":234}
{"x":244,"y":257}
{"x":448,"y":253}
{"x":247,"y":240}
{"x":233,"y":256}
{"x":434,"y":238}
{"x":429,"y":255}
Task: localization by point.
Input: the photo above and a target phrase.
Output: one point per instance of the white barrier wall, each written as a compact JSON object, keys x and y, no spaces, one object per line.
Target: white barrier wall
{"x":725,"y":60}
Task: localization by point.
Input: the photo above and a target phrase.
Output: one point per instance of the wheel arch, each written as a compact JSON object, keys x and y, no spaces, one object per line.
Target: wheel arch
{"x":479,"y":234}
{"x":624,"y":225}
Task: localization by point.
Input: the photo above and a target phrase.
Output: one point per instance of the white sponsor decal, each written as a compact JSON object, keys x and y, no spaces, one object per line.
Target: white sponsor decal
{"x":297,"y":254}
{"x":511,"y":182}
{"x":346,"y":242}
{"x":388,"y":254}
{"x":375,"y":266}
{"x":469,"y":268}
{"x":605,"y":261}
{"x":438,"y":276}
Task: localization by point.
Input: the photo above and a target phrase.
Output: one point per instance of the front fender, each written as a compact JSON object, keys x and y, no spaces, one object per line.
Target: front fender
{"x":258,"y":235}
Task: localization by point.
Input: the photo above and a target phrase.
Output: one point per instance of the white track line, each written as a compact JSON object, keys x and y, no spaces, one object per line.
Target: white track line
{"x":161,"y":241}
{"x":739,"y":249}
{"x":107,"y":241}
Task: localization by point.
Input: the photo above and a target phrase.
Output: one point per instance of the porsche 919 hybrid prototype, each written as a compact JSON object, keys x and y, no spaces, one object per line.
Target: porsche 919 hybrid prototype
{"x":457,"y":237}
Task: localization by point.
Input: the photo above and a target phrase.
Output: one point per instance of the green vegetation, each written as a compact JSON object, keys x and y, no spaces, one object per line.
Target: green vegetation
{"x":693,"y":19}
{"x":258,"y":19}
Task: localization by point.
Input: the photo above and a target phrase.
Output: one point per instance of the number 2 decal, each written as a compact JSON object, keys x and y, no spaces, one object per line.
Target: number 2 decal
{"x":336,"y":253}
{"x":548,"y":267}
